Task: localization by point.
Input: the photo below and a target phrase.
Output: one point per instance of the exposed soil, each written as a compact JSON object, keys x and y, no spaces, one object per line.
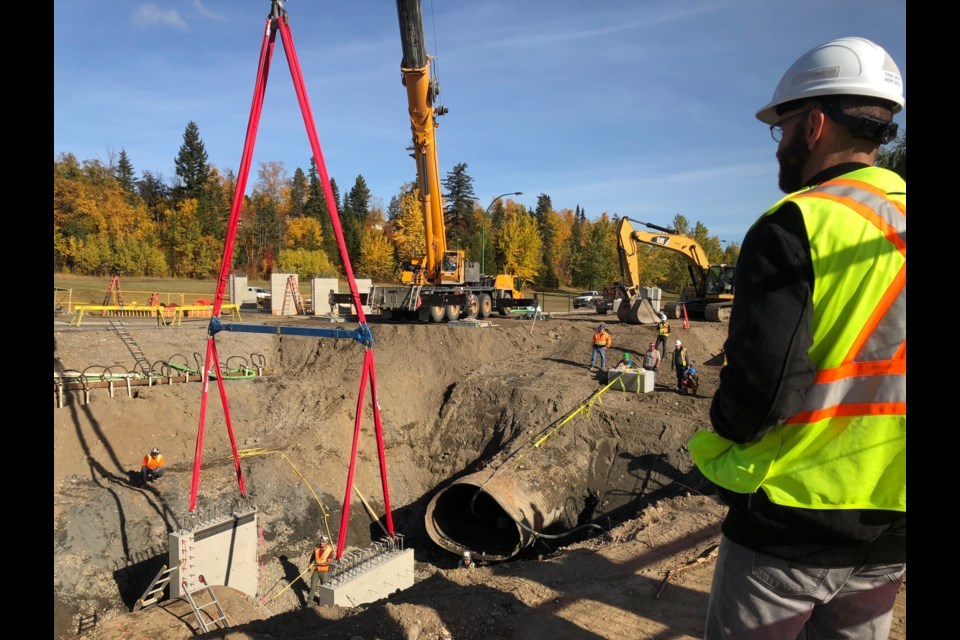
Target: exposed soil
{"x":453,"y":400}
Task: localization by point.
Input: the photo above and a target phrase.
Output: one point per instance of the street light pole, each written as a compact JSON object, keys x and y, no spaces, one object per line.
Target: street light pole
{"x":483,"y":227}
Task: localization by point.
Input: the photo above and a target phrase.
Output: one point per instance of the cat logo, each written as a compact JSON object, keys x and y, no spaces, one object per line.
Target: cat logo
{"x":661,"y":240}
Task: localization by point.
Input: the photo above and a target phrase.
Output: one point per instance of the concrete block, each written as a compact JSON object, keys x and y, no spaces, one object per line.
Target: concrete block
{"x":382,"y":577}
{"x":634,"y":380}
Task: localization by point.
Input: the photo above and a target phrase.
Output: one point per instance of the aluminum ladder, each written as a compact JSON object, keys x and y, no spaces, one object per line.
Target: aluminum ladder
{"x":293,"y":291}
{"x":201,"y":610}
{"x":154,"y":592}
{"x":121,"y":330}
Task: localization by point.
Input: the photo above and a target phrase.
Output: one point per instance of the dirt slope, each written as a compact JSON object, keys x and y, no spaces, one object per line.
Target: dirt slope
{"x":452,"y":400}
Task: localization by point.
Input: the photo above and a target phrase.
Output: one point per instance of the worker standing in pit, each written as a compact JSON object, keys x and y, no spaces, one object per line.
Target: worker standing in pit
{"x":320,"y":562}
{"x":651,"y":358}
{"x":601,"y":342}
{"x":808,"y":446}
{"x":679,"y":363}
{"x":152,"y":467}
{"x":663,"y":332}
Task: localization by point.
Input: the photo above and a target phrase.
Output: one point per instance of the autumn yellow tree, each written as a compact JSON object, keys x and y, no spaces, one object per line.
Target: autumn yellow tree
{"x":305,"y":263}
{"x":303,"y":233}
{"x":98,"y":228}
{"x":191,"y":254}
{"x":376,"y":256}
{"x":408,"y":231}
{"x":518,"y":241}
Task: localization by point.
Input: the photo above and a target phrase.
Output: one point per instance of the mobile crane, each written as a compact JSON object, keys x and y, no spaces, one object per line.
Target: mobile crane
{"x":710,"y":296}
{"x":442,"y":285}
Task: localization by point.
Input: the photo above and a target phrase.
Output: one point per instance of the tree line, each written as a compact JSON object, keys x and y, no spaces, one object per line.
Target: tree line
{"x":107,"y":222}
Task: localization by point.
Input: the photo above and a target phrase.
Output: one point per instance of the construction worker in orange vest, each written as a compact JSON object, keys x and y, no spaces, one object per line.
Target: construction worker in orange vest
{"x":601,"y":342}
{"x":321,"y":566}
{"x":152,"y":467}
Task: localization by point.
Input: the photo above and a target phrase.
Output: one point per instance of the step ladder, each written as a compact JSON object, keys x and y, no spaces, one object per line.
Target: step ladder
{"x":154,"y":592}
{"x":121,"y":330}
{"x":293,"y":293}
{"x":207,"y":594}
{"x":114,"y":297}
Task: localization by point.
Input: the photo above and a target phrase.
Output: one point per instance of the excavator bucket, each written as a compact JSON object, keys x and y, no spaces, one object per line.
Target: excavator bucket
{"x":638,"y":311}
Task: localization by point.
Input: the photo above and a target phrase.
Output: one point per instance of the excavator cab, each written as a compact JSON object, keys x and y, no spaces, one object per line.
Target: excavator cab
{"x":720,"y":281}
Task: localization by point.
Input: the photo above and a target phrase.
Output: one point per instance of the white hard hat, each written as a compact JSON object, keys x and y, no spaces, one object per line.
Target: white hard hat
{"x":678,"y":343}
{"x":663,"y":316}
{"x":466,"y":554}
{"x":845,"y":66}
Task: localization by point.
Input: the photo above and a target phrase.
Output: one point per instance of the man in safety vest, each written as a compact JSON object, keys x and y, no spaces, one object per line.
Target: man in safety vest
{"x":679,"y":363}
{"x":152,"y":467}
{"x":601,"y":342}
{"x":663,"y":332}
{"x":809,"y":442}
{"x":320,"y":562}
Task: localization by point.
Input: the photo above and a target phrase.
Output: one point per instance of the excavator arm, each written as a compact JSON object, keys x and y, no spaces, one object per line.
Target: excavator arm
{"x":690,"y":249}
{"x":712,"y":284}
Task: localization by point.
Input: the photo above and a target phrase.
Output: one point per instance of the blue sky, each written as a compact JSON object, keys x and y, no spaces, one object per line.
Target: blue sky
{"x":641,"y":108}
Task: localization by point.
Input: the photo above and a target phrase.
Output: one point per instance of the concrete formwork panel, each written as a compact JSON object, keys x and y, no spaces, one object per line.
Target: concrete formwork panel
{"x":223,"y":551}
{"x":374,"y":581}
{"x":279,"y":294}
{"x":320,"y":289}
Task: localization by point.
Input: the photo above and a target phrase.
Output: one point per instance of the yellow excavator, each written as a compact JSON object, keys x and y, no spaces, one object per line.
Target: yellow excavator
{"x":442,"y":285}
{"x":710,"y":296}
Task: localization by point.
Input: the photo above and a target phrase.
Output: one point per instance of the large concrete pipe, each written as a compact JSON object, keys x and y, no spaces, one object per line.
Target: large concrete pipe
{"x":491,"y":514}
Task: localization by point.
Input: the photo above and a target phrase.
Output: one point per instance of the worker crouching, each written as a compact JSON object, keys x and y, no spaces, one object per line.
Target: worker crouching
{"x":152,"y":467}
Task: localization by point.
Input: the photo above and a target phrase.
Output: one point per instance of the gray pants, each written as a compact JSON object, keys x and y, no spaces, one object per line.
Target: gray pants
{"x":758,"y":597}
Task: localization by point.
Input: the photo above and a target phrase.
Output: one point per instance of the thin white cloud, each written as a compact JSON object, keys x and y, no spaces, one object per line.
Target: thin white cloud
{"x":149,"y":14}
{"x":198,"y":5}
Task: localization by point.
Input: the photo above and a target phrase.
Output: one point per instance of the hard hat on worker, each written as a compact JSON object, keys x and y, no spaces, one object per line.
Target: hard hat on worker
{"x":601,"y":327}
{"x":324,"y":539}
{"x":663,"y":317}
{"x":678,"y":343}
{"x":155,"y":451}
{"x":466,"y":555}
{"x":841,"y":67}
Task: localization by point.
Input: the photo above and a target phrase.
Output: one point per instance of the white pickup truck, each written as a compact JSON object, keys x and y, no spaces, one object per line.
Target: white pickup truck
{"x":262,"y":294}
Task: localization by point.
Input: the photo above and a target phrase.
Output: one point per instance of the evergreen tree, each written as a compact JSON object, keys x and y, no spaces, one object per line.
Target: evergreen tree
{"x":124,"y":173}
{"x":895,"y":158}
{"x":597,"y":264}
{"x":393,"y":209}
{"x":359,"y":199}
{"x":460,"y":201}
{"x":544,"y":214}
{"x":191,"y":165}
{"x":298,"y":193}
{"x":155,"y":194}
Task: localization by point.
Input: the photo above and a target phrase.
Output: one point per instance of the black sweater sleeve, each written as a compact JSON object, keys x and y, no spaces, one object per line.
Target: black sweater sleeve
{"x":768,"y":369}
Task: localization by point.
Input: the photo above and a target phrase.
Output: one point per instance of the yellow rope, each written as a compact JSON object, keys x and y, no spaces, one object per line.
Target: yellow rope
{"x":246,"y":453}
{"x":585,"y":407}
